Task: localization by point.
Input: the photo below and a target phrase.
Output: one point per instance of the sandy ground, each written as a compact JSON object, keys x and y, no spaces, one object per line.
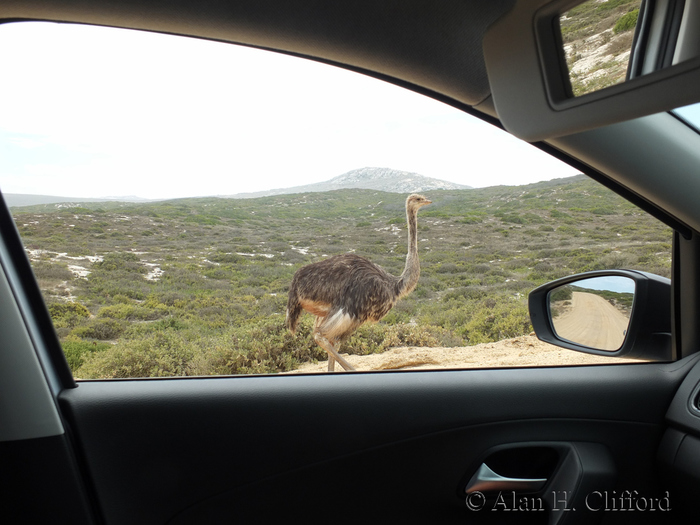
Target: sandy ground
{"x":593,"y":321}
{"x":520,"y":351}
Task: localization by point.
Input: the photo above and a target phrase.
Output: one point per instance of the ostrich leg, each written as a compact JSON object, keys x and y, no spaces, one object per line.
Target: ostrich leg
{"x":333,"y":354}
{"x":331,"y":359}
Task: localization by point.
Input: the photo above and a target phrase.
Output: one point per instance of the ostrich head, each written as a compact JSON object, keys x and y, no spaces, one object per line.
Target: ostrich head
{"x":415,"y":202}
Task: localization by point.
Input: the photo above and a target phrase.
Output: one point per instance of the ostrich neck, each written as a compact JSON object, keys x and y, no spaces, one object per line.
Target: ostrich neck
{"x":411,"y":272}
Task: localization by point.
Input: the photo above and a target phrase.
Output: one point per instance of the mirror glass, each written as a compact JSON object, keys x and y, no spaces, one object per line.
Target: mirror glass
{"x":593,"y":312}
{"x":597,"y":37}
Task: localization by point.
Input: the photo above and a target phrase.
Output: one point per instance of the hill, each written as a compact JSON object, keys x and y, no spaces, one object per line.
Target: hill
{"x":380,"y":179}
{"x":27,"y":199}
{"x":597,"y":38}
{"x":198,"y":286}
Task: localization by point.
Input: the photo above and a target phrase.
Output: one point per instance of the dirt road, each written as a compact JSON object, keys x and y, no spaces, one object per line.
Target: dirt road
{"x":521,"y":351}
{"x":593,"y":321}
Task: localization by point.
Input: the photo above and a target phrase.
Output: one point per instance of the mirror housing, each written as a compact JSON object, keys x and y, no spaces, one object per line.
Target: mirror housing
{"x":529,"y":78}
{"x":649,"y":333}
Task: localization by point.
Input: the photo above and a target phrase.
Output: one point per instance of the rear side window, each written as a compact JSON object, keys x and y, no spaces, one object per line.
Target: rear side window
{"x":168,"y":190}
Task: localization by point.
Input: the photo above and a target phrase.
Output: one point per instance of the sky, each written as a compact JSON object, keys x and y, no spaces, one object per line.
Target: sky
{"x":97,"y":112}
{"x":691,"y":114}
{"x":612,"y":283}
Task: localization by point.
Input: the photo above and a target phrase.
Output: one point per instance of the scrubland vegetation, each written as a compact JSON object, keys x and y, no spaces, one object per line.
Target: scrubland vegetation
{"x":198,"y":286}
{"x":598,"y":36}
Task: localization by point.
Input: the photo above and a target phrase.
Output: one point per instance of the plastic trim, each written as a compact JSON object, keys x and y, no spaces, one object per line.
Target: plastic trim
{"x":649,"y":331}
{"x":27,"y":408}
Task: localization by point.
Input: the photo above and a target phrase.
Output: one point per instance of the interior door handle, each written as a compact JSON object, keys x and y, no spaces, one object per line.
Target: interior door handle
{"x":486,"y":479}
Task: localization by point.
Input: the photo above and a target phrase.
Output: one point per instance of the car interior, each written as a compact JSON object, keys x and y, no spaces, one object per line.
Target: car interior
{"x":613,"y":443}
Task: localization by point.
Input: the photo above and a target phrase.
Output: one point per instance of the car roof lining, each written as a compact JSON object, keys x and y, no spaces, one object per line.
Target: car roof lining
{"x":645,"y":169}
{"x":439,"y":50}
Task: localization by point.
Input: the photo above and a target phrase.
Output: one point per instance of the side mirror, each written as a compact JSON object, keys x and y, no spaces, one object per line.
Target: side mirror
{"x":614,"y":313}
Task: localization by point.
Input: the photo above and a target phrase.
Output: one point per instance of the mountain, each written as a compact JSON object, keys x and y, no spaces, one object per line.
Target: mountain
{"x":393,"y":181}
{"x":380,"y":179}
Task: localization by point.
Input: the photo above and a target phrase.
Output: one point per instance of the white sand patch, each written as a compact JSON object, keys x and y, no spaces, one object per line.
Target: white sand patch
{"x":598,"y":52}
{"x":155,"y":273}
{"x":35,"y":255}
{"x":79,"y":271}
{"x":268,"y":255}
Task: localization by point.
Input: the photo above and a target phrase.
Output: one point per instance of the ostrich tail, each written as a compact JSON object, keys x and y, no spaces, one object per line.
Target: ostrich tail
{"x":293,"y":312}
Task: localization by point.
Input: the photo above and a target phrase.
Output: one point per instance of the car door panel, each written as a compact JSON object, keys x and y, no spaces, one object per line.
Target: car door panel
{"x":264,"y":448}
{"x":41,"y":478}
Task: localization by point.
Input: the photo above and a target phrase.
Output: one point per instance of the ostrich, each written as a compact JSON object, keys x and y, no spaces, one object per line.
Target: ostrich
{"x":345,"y":291}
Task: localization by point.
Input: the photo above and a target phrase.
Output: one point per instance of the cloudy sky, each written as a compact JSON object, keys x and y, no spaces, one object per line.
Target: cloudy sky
{"x":93,"y":112}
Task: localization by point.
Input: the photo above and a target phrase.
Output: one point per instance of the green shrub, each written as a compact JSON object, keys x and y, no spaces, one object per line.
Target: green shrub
{"x":229,"y":258}
{"x":121,"y":261}
{"x":626,"y":22}
{"x":52,"y":271}
{"x":261,"y":347}
{"x":603,"y":210}
{"x":513,"y":218}
{"x":562,"y":293}
{"x":567,"y":229}
{"x":76,"y":351}
{"x":502,"y":321}
{"x":131,"y":312}
{"x":67,"y":315}
{"x":448,"y":268}
{"x":164,"y":354}
{"x":100,"y":329}
{"x":556,"y":214}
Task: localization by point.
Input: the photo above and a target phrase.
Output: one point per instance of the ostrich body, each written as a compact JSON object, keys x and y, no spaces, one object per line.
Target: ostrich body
{"x":345,"y":291}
